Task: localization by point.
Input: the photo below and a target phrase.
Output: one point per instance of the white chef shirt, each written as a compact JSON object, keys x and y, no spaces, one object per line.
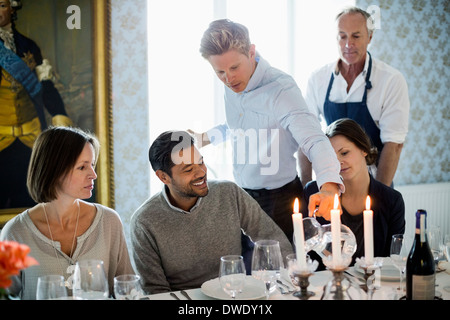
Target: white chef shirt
{"x":387,"y":100}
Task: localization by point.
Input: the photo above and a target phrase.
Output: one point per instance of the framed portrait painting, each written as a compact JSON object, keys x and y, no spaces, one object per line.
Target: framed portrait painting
{"x":73,"y":38}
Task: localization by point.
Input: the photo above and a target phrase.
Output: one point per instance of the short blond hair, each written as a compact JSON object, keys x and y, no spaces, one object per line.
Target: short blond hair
{"x":224,"y":35}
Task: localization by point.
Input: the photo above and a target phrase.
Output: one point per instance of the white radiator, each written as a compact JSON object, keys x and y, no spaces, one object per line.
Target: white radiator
{"x":434,"y":198}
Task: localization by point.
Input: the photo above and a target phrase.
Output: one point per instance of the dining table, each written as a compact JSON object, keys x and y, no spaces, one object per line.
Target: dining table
{"x":386,"y":287}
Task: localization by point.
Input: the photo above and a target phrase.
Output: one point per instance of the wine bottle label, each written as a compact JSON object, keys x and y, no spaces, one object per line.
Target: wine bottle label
{"x":423,"y":287}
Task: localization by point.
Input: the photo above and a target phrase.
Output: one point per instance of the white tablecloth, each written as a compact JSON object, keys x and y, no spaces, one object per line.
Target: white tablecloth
{"x":386,"y":289}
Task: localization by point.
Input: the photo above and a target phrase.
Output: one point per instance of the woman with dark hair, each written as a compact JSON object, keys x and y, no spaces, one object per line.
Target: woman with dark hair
{"x":62,"y":229}
{"x":354,"y":152}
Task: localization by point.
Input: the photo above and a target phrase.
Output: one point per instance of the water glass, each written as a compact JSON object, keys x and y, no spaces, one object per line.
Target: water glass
{"x":267,"y":263}
{"x":232,"y":274}
{"x":51,"y":287}
{"x":90,"y":282}
{"x":435,"y":241}
{"x":400,"y":246}
{"x":127,"y":287}
{"x":447,"y":247}
{"x":447,"y":254}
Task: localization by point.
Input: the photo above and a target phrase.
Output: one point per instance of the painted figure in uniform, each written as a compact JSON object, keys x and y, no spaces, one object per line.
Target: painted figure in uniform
{"x":26,"y":89}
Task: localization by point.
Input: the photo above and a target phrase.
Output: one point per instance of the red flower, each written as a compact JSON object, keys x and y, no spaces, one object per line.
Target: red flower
{"x":13,"y":258}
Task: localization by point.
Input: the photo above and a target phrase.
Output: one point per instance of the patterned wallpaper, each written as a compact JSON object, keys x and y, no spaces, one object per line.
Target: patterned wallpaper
{"x":130,"y":106}
{"x":413,"y":37}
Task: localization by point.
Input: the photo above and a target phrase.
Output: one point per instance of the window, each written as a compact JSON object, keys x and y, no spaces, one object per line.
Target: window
{"x":184,"y":93}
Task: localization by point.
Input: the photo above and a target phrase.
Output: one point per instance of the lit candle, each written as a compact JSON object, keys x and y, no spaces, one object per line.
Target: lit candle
{"x":368,"y":233}
{"x":336,"y":232}
{"x":299,"y":237}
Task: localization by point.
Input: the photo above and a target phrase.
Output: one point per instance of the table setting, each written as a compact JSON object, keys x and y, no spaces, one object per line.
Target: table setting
{"x":273,"y":277}
{"x":386,"y":284}
{"x":289,"y":278}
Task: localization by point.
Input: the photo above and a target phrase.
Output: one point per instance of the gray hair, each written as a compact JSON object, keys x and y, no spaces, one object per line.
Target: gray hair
{"x":365,"y":14}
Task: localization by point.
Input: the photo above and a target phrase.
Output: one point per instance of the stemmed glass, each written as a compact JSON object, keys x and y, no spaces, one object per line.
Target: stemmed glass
{"x":51,"y":287}
{"x":447,"y":247}
{"x":127,"y":287}
{"x":232,"y":274}
{"x":436,"y":242}
{"x":267,"y":263}
{"x":447,"y":254}
{"x":400,"y":246}
{"x":90,"y":281}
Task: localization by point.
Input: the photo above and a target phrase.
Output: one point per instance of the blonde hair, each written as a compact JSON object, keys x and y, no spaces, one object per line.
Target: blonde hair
{"x":224,"y":35}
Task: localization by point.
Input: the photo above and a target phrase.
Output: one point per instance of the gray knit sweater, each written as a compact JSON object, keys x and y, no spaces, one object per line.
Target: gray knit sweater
{"x":103,"y":240}
{"x":175,"y":250}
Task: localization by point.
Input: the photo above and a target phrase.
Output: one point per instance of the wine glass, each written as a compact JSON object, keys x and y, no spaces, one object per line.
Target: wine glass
{"x":400,"y":246}
{"x":447,"y":254}
{"x":232,"y":274}
{"x":51,"y":287}
{"x":90,"y":281}
{"x":435,"y":241}
{"x":267,"y":263}
{"x":447,"y":247}
{"x":127,"y":287}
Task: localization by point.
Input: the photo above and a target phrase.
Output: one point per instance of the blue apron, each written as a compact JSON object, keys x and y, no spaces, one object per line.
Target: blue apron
{"x":357,"y":111}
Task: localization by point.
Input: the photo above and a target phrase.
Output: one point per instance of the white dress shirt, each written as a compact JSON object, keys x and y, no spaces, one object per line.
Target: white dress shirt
{"x":266,"y":123}
{"x":387,"y":100}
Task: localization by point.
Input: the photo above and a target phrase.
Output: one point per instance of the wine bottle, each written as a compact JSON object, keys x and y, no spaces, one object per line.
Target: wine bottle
{"x":420,"y":266}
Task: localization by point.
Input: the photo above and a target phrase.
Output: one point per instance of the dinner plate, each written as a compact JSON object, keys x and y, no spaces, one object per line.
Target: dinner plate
{"x":253,"y":289}
{"x":388,"y":271}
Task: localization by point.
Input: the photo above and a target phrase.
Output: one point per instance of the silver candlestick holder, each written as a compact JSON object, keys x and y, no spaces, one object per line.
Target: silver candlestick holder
{"x":369,"y":267}
{"x":300,"y":275}
{"x":341,"y":286}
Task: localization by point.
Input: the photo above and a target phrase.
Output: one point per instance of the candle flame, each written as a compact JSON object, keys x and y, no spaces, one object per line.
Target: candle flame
{"x":296,"y":205}
{"x":368,"y":203}
{"x":336,"y":201}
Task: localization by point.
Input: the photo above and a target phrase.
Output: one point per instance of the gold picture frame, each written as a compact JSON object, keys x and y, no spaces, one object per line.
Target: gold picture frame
{"x":100,"y":14}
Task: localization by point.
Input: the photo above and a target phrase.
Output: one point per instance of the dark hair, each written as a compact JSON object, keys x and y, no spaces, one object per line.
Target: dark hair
{"x":223,"y":35}
{"x":356,"y":134}
{"x":167,"y":143}
{"x":54,"y":154}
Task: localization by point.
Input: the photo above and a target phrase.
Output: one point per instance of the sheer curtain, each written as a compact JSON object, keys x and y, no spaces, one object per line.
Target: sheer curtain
{"x":184,"y":93}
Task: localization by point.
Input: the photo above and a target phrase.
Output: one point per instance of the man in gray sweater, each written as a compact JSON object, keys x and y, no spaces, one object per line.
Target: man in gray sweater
{"x":179,"y":234}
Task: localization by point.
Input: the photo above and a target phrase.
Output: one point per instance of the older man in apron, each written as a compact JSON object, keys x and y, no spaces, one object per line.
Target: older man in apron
{"x":364,"y":89}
